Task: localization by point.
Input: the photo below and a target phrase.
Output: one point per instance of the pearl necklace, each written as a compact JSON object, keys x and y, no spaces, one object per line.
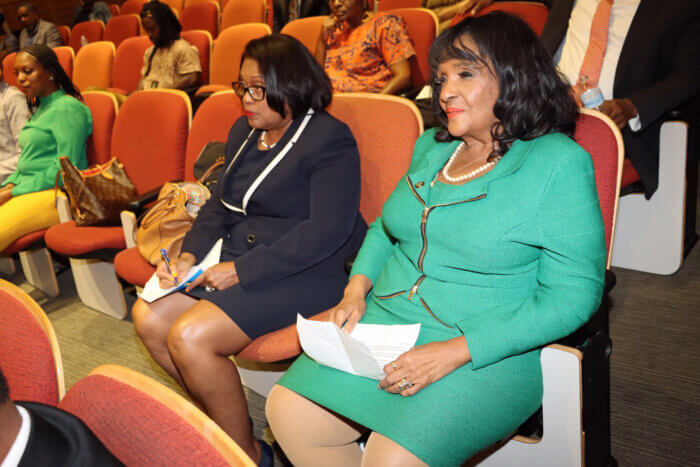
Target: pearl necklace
{"x":262,"y":141}
{"x":468,"y":175}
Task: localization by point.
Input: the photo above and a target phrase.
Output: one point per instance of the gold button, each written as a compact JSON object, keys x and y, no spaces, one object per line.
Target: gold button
{"x":419,"y":184}
{"x":250,"y":238}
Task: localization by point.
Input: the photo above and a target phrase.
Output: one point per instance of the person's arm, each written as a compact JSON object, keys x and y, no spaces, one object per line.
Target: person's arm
{"x":396,"y":50}
{"x":329,"y":29}
{"x":465,"y":6}
{"x":189,"y":67}
{"x":53,"y":37}
{"x":400,"y":77}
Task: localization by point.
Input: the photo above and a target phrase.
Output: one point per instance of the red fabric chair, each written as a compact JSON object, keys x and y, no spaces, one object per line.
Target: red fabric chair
{"x":144,"y":423}
{"x":65,"y":34}
{"x":8,"y":69}
{"x":114,"y":9}
{"x":122,"y":27}
{"x":385,"y":5}
{"x":132,"y":7}
{"x":126,"y":71}
{"x":90,"y":30}
{"x":204,"y":16}
{"x":212,"y":122}
{"x":386,"y":144}
{"x":66,"y":57}
{"x":305,"y":30}
{"x":422,"y":26}
{"x":237,"y":12}
{"x":29,"y":355}
{"x":93,"y":65}
{"x":104,"y":108}
{"x":533,"y":13}
{"x":629,"y":174}
{"x":203,"y":41}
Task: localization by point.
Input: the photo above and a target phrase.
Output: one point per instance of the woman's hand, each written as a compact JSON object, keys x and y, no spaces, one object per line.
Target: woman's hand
{"x":219,"y":277}
{"x":181,"y":266}
{"x":330,"y":23}
{"x":352,"y":307}
{"x":6,"y":193}
{"x":423,"y":365}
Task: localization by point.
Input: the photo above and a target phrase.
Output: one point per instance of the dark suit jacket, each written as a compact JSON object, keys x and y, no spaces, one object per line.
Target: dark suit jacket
{"x":658,"y":69}
{"x":58,"y":438}
{"x":303,"y":216}
{"x":307,"y":8}
{"x":46,"y":33}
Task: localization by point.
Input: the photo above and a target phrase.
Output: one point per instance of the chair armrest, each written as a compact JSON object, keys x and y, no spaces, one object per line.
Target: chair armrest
{"x":63,"y":207}
{"x":129,"y":222}
{"x":138,"y":204}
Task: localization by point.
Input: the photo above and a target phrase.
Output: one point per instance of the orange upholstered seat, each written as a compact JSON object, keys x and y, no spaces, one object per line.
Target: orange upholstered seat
{"x":533,"y":13}
{"x":202,"y":40}
{"x":65,"y":34}
{"x":122,"y":27}
{"x":70,"y":240}
{"x":91,"y":31}
{"x":422,"y":27}
{"x":130,"y":266}
{"x":29,"y":355}
{"x":305,"y":30}
{"x":93,"y":65}
{"x":144,"y":423}
{"x":385,"y":5}
{"x":66,"y":57}
{"x":114,"y":9}
{"x":243,"y":12}
{"x":205,"y":16}
{"x":126,"y":71}
{"x":25,"y":241}
{"x":104,"y":108}
{"x":132,"y":7}
{"x":8,"y":69}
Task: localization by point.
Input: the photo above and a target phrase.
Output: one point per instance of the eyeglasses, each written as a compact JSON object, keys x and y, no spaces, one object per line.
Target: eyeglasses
{"x":257,"y":93}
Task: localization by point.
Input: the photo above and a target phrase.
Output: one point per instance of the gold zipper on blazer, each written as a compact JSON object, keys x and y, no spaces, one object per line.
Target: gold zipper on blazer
{"x":385,"y":297}
{"x":425,"y":305}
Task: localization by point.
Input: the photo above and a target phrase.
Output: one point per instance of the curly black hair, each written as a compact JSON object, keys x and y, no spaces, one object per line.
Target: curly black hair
{"x":534,"y":98}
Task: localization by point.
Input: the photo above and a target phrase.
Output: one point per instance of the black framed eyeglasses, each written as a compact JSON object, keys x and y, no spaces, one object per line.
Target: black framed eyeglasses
{"x":257,"y":93}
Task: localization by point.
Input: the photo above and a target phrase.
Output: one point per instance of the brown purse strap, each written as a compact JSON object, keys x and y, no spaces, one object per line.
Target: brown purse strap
{"x":219,"y":162}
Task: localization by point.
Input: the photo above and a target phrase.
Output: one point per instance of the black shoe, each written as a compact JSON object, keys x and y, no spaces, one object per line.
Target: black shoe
{"x":267,"y":458}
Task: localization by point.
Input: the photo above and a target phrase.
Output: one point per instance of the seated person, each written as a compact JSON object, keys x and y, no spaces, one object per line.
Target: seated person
{"x":14,"y":113}
{"x":446,"y":10}
{"x":171,"y":62}
{"x":494,"y":242}
{"x":59,"y":126}
{"x":286,"y":207}
{"x":364,"y":52}
{"x":9,"y":42}
{"x":289,"y":10}
{"x":90,"y":10}
{"x":38,"y":434}
{"x":36,"y":30}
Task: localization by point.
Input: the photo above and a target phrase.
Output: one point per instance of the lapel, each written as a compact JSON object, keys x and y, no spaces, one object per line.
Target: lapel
{"x":557,"y":24}
{"x":645,"y":15}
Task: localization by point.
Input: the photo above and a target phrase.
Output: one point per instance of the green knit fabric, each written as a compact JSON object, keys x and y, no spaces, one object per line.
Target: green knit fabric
{"x":514,"y":260}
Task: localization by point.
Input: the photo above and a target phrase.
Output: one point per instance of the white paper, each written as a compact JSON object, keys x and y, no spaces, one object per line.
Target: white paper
{"x":364,"y":352}
{"x":425,"y":93}
{"x":152,"y":290}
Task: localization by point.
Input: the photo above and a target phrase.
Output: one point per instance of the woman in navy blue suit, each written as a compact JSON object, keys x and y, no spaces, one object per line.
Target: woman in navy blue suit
{"x":286,"y":207}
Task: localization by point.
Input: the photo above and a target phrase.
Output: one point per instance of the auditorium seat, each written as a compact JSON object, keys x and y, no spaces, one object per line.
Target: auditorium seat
{"x":126,"y":72}
{"x":305,"y":30}
{"x":144,"y":423}
{"x":242,"y":12}
{"x":203,"y":42}
{"x":8,"y":69}
{"x":93,"y":65}
{"x":122,"y":27}
{"x":132,"y":7}
{"x":227,"y":53}
{"x":422,"y":27}
{"x":533,"y":13}
{"x":148,"y":138}
{"x":385,"y":5}
{"x":204,"y":16}
{"x":212,"y":122}
{"x":66,"y":57}
{"x":90,"y":31}
{"x":104,"y":108}
{"x":29,"y":354}
{"x":175,"y":5}
{"x":65,"y":34}
{"x":114,"y":9}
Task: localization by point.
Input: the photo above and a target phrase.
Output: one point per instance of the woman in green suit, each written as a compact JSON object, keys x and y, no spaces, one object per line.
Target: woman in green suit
{"x":493,"y":242}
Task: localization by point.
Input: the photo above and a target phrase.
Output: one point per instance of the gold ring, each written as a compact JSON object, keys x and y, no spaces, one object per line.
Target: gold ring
{"x":403,"y":384}
{"x":393,"y":365}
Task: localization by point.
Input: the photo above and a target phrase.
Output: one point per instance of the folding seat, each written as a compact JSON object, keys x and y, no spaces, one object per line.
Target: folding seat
{"x":212,"y":122}
{"x":66,"y":57}
{"x":132,"y":7}
{"x":126,"y":72}
{"x":422,"y":27}
{"x":104,"y":108}
{"x":29,"y":355}
{"x":122,"y":27}
{"x":227,"y":52}
{"x":148,"y":138}
{"x":175,"y":5}
{"x":197,"y":2}
{"x":243,"y":11}
{"x":144,"y":423}
{"x":90,"y":31}
{"x":8,"y":69}
{"x":384,"y":5}
{"x":305,"y":30}
{"x":65,"y":34}
{"x":93,"y":65}
{"x":203,"y":41}
{"x":204,"y":16}
{"x":114,"y":9}
{"x":533,"y":13}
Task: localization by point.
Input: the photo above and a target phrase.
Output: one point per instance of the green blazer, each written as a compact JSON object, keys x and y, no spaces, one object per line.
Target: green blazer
{"x":512,"y":260}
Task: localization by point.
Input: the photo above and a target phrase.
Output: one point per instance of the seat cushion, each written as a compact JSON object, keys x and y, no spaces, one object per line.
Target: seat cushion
{"x":130,"y":266}
{"x":629,"y":174}
{"x":212,"y":88}
{"x":23,"y":242}
{"x":71,"y":240}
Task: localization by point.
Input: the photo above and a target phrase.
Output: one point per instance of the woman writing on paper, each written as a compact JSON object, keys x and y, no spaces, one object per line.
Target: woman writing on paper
{"x":493,"y":242}
{"x":286,"y":207}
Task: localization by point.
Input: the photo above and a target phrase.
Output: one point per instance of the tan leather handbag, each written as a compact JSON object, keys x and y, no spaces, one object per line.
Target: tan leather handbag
{"x":98,"y":194}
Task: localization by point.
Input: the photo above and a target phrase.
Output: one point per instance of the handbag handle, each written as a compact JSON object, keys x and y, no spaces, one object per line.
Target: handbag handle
{"x":218,"y":163}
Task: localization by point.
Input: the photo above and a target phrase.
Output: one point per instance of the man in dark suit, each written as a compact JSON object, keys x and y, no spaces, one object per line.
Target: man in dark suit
{"x":288,"y":10}
{"x":34,"y":434}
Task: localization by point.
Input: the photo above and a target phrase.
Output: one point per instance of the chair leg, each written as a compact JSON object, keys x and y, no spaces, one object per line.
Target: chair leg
{"x":7,"y":265}
{"x":98,"y":286}
{"x":260,"y":377}
{"x":38,"y":269}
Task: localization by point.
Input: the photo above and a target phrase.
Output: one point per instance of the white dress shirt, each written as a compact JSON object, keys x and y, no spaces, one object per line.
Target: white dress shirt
{"x":14,"y":455}
{"x":570,"y":55}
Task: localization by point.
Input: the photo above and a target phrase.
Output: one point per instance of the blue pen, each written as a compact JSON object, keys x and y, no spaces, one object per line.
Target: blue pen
{"x":166,"y":258}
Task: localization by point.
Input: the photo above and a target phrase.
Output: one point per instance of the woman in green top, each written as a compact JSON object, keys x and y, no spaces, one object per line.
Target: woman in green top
{"x":59,"y":126}
{"x":493,"y":242}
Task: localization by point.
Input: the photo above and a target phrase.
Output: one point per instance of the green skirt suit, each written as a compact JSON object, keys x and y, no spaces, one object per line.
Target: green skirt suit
{"x":512,"y":260}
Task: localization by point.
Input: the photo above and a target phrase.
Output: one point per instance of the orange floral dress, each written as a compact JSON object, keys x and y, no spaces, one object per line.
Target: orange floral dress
{"x":359,"y":60}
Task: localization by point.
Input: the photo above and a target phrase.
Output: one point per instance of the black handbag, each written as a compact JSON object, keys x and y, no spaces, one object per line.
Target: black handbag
{"x":211,"y":154}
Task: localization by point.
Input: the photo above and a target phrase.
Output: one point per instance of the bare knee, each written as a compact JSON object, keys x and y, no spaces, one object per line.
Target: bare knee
{"x":148,"y":325}
{"x":187,"y":338}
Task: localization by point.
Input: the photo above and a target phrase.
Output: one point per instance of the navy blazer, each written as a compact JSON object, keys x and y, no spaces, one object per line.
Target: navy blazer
{"x":300,"y":209}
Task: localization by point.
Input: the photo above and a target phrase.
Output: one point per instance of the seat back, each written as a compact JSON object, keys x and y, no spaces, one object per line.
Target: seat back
{"x":132,"y":7}
{"x":144,"y":423}
{"x":212,"y":122}
{"x":305,"y":30}
{"x":175,"y":5}
{"x":242,"y":12}
{"x":533,"y":13}
{"x":422,"y":28}
{"x":203,"y":41}
{"x":150,"y":135}
{"x":114,"y":9}
{"x":103,"y":106}
{"x":65,"y":34}
{"x":66,"y":57}
{"x":92,"y":31}
{"x":385,"y":142}
{"x":8,"y":69}
{"x":601,"y":138}
{"x":126,"y":72}
{"x":122,"y":27}
{"x":385,"y":5}
{"x":204,"y":16}
{"x":29,"y":355}
{"x":93,"y":65}
{"x":228,"y":50}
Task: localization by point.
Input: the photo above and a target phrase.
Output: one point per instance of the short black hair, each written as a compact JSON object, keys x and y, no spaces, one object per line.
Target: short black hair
{"x":4,"y":389}
{"x":292,"y":75}
{"x":29,"y":6}
{"x":534,"y":99}
{"x":166,"y":20}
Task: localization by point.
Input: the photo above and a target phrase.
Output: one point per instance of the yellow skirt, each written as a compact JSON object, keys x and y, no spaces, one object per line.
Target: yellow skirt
{"x":25,"y":214}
